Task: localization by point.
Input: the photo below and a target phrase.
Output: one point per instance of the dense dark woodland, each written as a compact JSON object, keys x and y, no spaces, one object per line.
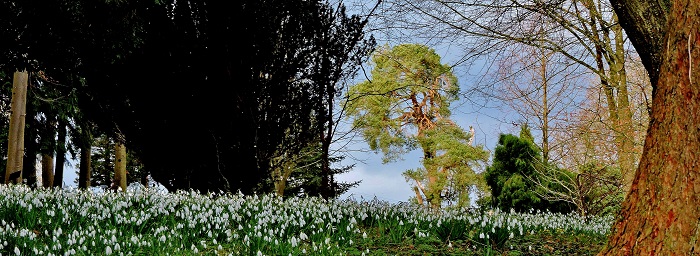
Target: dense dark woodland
{"x":204,"y":93}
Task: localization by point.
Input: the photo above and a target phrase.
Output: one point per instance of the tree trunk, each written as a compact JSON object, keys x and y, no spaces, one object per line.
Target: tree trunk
{"x":419,"y":196}
{"x":85,"y":166}
{"x":545,"y":107}
{"x":661,"y":214}
{"x":120,"y":165}
{"x":60,"y":154}
{"x":46,"y":170}
{"x":15,"y":142}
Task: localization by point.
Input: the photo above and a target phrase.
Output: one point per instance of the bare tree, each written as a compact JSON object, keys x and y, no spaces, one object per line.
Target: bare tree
{"x":541,"y":88}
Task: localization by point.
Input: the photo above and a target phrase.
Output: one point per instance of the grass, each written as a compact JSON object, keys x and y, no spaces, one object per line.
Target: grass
{"x":152,"y":222}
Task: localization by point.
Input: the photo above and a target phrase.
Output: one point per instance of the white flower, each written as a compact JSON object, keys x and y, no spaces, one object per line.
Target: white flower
{"x":108,"y":250}
{"x":17,"y":252}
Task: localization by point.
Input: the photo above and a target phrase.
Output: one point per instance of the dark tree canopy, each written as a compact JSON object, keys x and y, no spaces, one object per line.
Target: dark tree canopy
{"x":205,"y":92}
{"x":216,"y":87}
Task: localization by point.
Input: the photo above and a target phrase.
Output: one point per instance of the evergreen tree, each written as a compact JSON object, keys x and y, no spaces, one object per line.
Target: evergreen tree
{"x":513,"y":177}
{"x":406,"y":105}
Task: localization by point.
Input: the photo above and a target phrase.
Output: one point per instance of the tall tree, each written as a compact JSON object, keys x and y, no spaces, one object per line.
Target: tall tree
{"x":661,"y":214}
{"x":407,"y":104}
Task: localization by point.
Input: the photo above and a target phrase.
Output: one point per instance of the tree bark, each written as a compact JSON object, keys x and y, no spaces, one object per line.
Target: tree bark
{"x":85,"y":166}
{"x":46,"y":170}
{"x":15,"y":142}
{"x":645,"y":24}
{"x":120,"y":165}
{"x":661,"y":214}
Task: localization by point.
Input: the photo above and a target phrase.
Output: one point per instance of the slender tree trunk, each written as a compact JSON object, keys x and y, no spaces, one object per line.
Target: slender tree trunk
{"x":661,"y":214}
{"x":47,"y":170}
{"x":623,"y":124}
{"x":60,"y":154}
{"x":120,"y":165}
{"x":545,"y":107}
{"x":15,"y":142}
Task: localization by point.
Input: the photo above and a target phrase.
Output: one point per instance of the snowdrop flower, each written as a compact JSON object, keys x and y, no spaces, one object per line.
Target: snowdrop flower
{"x":108,"y":250}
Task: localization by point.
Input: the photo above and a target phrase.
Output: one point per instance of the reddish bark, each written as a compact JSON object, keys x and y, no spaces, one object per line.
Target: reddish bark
{"x":661,"y":214}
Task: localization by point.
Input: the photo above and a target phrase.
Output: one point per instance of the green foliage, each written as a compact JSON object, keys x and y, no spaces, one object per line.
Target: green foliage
{"x":514,"y":180}
{"x":403,"y":77}
{"x":455,"y":161}
{"x":513,"y":158}
{"x":406,"y":106}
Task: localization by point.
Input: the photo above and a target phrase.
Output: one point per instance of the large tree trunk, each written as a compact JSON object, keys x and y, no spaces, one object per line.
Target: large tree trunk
{"x":120,"y":165}
{"x":15,"y":142}
{"x":661,"y":214}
